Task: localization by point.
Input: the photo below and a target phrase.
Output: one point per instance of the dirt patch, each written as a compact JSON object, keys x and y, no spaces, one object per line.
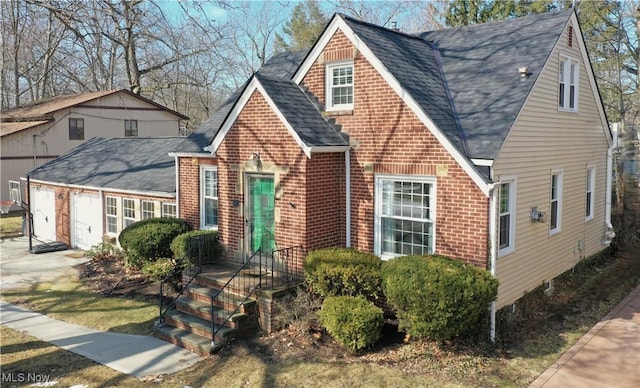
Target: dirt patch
{"x":110,"y":277}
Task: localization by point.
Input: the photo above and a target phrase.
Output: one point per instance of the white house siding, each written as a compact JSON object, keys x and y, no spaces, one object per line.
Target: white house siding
{"x":544,"y":139}
{"x":103,"y":117}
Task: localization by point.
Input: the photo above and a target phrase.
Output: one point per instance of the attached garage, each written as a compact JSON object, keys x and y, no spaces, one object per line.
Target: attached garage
{"x":86,"y":220}
{"x":44,"y":214}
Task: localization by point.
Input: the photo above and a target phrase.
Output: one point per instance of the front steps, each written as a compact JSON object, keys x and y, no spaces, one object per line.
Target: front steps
{"x":188,"y":324}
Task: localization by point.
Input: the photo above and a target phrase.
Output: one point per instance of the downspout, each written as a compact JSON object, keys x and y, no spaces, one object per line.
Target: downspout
{"x":347,"y":162}
{"x":610,"y":234}
{"x":28,"y":213}
{"x":177,"y":187}
{"x":493,"y":254}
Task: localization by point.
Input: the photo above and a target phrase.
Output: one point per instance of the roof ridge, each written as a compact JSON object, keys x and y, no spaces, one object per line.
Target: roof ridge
{"x":378,"y":27}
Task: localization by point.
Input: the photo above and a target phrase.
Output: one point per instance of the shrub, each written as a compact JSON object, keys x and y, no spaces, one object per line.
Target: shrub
{"x":297,"y":311}
{"x":343,"y":272}
{"x":150,"y":239}
{"x":354,"y":322}
{"x":159,"y":269}
{"x":437,"y":297}
{"x":104,"y":251}
{"x":211,"y":248}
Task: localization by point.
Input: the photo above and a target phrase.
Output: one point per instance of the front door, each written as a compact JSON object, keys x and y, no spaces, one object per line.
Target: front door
{"x":260,"y":219}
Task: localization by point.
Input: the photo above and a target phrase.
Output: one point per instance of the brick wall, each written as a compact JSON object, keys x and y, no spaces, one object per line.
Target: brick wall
{"x":389,"y":139}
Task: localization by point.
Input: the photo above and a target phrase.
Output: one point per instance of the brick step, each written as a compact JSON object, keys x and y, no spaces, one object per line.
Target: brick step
{"x":225,"y":300}
{"x":241,"y":285}
{"x":187,"y":340}
{"x":198,"y":326}
{"x":202,"y":310}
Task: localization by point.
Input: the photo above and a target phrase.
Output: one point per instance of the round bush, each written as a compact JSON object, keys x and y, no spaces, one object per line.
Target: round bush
{"x":437,"y":297}
{"x":182,"y":250}
{"x":343,"y":272}
{"x":354,"y":322}
{"x":150,"y":239}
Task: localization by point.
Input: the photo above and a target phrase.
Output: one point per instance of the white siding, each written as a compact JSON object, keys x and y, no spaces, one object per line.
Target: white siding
{"x":544,"y":139}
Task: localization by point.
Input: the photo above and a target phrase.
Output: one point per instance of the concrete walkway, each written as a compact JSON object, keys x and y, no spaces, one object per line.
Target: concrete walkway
{"x":135,"y":355}
{"x":607,"y":356}
{"x":131,"y":354}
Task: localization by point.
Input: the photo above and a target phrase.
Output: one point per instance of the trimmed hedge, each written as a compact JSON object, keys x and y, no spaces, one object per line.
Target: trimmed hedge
{"x":211,"y":248}
{"x":149,"y":239}
{"x":343,"y":272}
{"x":354,"y":322}
{"x":437,"y":297}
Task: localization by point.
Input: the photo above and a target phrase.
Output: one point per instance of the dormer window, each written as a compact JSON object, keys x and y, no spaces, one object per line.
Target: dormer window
{"x":568,"y":89}
{"x":339,"y":86}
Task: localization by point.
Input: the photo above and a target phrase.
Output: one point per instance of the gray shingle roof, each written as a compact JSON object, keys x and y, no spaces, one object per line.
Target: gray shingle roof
{"x":413,"y":63}
{"x":301,"y":113}
{"x":134,"y":164}
{"x":480,"y":64}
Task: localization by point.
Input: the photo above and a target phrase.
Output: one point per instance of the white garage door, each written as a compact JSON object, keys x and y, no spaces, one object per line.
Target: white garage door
{"x":86,"y":220}
{"x":43,"y":208}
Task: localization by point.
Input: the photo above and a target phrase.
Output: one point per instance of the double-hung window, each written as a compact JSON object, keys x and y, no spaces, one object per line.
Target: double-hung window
{"x":128,"y":212}
{"x":568,"y":84}
{"x":169,"y":210}
{"x":148,"y":209}
{"x":339,"y":79}
{"x":556,"y":202}
{"x":112,"y":215}
{"x":405,"y":215}
{"x":209,"y":197}
{"x":590,"y":192}
{"x":506,"y":214}
{"x":130,"y":128}
{"x":76,"y":129}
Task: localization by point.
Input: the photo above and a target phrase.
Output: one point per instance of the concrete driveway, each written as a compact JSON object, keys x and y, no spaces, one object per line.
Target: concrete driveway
{"x":20,"y":268}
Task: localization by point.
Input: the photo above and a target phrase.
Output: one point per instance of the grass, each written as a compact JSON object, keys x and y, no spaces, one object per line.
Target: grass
{"x":72,"y":302}
{"x":581,"y":299}
{"x":10,"y":226}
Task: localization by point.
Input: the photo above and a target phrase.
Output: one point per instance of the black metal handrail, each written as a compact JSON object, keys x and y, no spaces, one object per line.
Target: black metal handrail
{"x":286,"y":266}
{"x":186,"y":265}
{"x":239,"y":286}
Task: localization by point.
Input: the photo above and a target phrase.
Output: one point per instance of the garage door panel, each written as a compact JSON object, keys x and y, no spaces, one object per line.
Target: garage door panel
{"x":44,"y":214}
{"x":86,"y":220}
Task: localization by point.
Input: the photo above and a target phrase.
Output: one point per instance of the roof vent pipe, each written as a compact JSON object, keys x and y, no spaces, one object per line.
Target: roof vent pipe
{"x":524,"y":71}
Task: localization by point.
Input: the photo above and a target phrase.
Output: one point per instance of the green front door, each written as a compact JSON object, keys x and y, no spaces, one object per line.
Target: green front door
{"x":260,"y":220}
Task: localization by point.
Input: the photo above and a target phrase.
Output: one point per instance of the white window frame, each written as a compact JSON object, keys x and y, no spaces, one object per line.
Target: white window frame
{"x":378,"y":213}
{"x":558,"y":199}
{"x":112,"y":216}
{"x":329,"y":86}
{"x":146,"y":213}
{"x":510,"y":212}
{"x":590,"y":193}
{"x":15,"y":192}
{"x":128,"y":220}
{"x":204,"y":196}
{"x":566,"y":81}
{"x":171,"y":214}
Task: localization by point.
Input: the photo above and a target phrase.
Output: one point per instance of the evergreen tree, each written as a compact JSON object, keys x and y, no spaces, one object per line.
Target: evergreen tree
{"x":305,"y":26}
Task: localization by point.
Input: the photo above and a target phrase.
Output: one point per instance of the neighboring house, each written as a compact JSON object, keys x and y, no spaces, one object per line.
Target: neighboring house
{"x":102,"y":186}
{"x":38,"y":132}
{"x":488,"y":143}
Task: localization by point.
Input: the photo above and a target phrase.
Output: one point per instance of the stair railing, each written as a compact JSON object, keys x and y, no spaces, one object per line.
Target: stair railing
{"x":189,"y":265}
{"x":246,"y":284}
{"x":286,"y":266}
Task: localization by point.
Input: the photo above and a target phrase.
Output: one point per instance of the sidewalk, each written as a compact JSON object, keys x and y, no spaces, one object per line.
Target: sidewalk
{"x":607,"y":356}
{"x":135,"y":355}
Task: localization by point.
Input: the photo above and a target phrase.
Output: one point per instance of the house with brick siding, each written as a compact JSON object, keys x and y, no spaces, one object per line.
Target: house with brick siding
{"x":487,"y":143}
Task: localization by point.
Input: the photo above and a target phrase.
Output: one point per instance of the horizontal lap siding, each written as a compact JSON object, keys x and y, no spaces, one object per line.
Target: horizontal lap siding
{"x":544,"y":139}
{"x":388,"y":138}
